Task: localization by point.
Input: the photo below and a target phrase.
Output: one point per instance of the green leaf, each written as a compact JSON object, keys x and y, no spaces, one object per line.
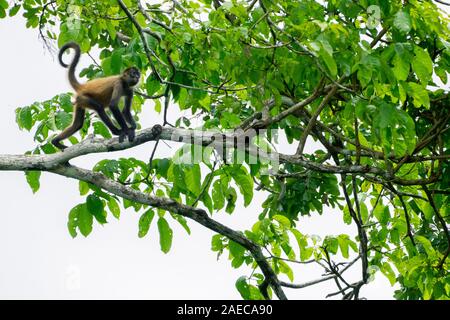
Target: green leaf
{"x":401,"y":62}
{"x":182,"y":221}
{"x":402,"y":21}
{"x":326,"y":53}
{"x":245,"y":184}
{"x":101,"y":129}
{"x":113,"y":206}
{"x":217,"y":243}
{"x":386,"y":269}
{"x":13,"y":11}
{"x":236,"y":249}
{"x":343,"y":241}
{"x":83,"y":187}
{"x":165,"y":235}
{"x":331,"y":244}
{"x":116,"y":62}
{"x":419,"y":94}
{"x":302,"y":241}
{"x":284,"y":268}
{"x":193,"y":179}
{"x":243,"y":288}
{"x":231,"y":197}
{"x":25,"y":120}
{"x":207,"y":201}
{"x":96,"y":208}
{"x":382,"y":214}
{"x":33,"y":179}
{"x":62,"y":120}
{"x":426,"y":244}
{"x":422,"y":65}
{"x":85,"y":220}
{"x":282,"y":220}
{"x":3,"y":4}
{"x":396,"y":130}
{"x":144,"y":222}
{"x":72,"y":224}
{"x":218,"y":195}
{"x":152,"y":85}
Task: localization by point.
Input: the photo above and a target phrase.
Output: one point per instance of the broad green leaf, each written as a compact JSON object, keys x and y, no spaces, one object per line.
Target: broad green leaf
{"x":85,"y":219}
{"x":286,"y":269}
{"x":145,"y":222}
{"x":401,"y":62}
{"x":72,"y":224}
{"x":426,"y":245}
{"x":116,"y":62}
{"x":422,"y":65}
{"x":113,"y":206}
{"x":62,"y":120}
{"x":193,"y":179}
{"x":25,"y":119}
{"x":343,"y":242}
{"x":218,"y":195}
{"x":386,"y":269}
{"x":96,"y":208}
{"x":183,"y":222}
{"x":236,"y":249}
{"x":152,"y":85}
{"x":33,"y":179}
{"x":83,"y":187}
{"x":3,"y":4}
{"x":165,"y":235}
{"x":231,"y":197}
{"x":101,"y":129}
{"x":245,"y":184}
{"x":382,"y":214}
{"x":402,"y":21}
{"x":216,"y":243}
{"x":282,"y":220}
{"x":419,"y":94}
{"x":13,"y":11}
{"x":326,"y":53}
{"x":243,"y":287}
{"x":331,"y":244}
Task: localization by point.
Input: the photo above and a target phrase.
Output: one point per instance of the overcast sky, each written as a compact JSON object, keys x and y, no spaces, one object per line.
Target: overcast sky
{"x":40,"y":260}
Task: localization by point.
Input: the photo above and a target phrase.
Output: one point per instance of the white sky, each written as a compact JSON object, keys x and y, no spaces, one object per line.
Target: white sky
{"x":40,"y":260}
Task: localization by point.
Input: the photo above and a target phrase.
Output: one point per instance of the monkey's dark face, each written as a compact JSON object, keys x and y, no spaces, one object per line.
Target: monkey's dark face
{"x":131,"y":76}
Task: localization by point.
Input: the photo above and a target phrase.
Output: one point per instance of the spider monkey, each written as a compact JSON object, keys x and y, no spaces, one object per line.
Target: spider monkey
{"x":99,"y":94}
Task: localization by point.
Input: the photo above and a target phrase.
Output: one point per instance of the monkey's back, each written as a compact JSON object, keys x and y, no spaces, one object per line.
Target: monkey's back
{"x":100,"y":89}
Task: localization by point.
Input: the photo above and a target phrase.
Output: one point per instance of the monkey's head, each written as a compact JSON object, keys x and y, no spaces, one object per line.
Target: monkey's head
{"x":131,"y":76}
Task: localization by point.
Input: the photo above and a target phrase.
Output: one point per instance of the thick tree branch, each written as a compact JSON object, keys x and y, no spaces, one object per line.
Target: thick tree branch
{"x":52,"y":163}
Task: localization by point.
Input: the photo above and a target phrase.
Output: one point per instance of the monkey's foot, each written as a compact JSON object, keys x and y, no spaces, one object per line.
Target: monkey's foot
{"x":157,"y":129}
{"x":131,"y":135}
{"x":122,"y":137}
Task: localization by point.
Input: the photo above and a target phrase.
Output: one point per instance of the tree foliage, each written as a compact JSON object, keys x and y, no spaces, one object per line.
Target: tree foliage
{"x":361,"y":78}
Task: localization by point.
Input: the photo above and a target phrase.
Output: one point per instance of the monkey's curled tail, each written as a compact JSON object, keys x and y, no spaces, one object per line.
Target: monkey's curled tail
{"x":72,"y":79}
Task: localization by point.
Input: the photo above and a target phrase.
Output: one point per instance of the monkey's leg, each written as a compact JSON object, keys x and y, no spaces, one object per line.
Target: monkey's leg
{"x":129,"y":118}
{"x":77,"y":124}
{"x":118,"y":116}
{"x":100,"y":110}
